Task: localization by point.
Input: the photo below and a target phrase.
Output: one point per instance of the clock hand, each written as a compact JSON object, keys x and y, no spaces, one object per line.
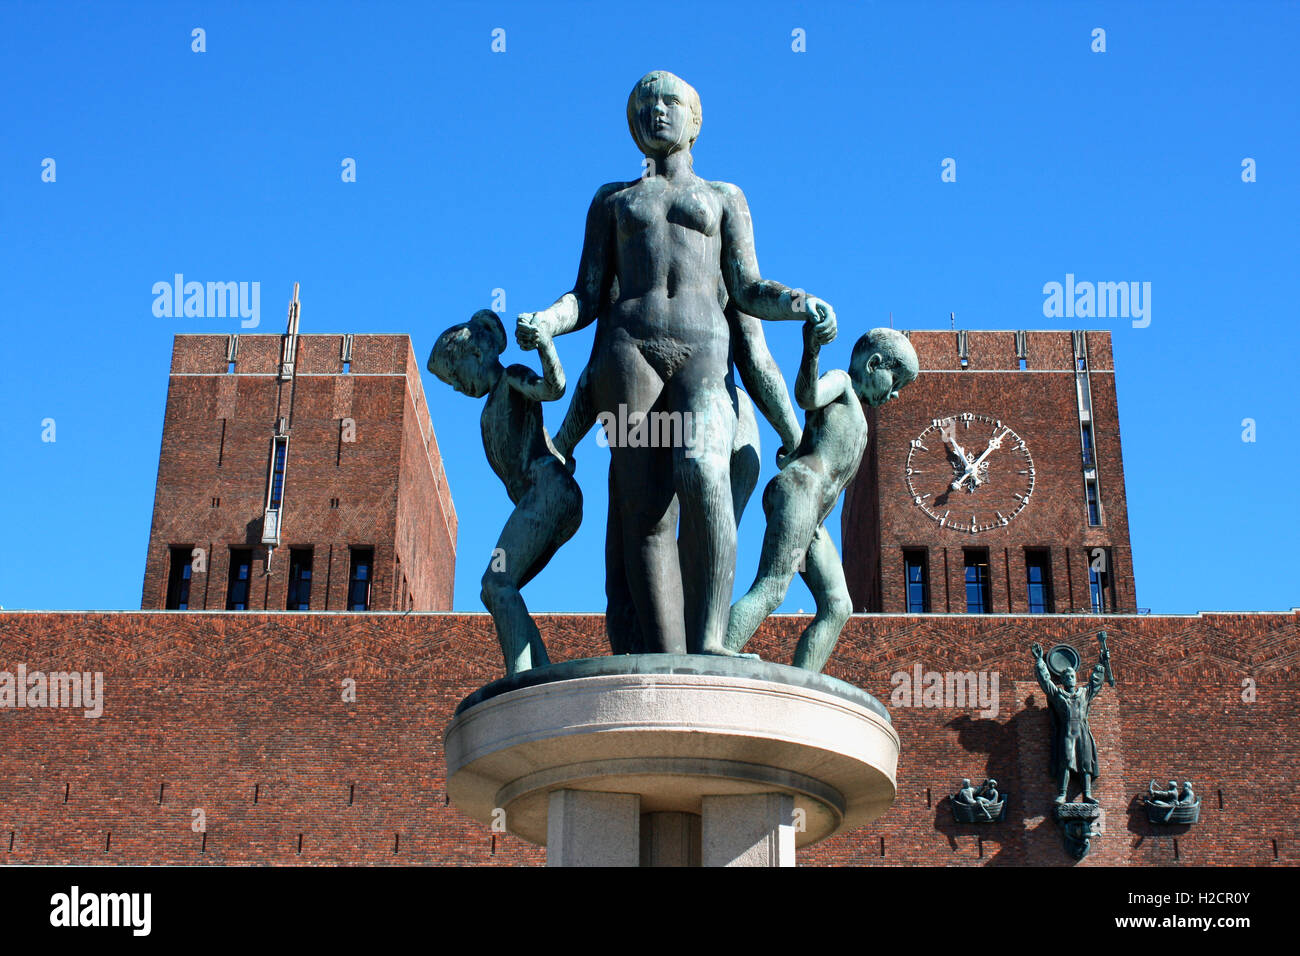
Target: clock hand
{"x":956,"y":454}
{"x":994,"y":443}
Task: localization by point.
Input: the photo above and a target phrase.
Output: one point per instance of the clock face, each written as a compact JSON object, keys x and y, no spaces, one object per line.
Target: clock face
{"x":970,"y":472}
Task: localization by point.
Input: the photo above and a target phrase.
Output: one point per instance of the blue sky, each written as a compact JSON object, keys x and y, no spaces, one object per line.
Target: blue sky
{"x":475,"y":168}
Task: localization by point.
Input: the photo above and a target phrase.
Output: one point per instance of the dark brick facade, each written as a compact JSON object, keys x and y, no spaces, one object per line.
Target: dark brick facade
{"x":363,"y":470}
{"x":1042,"y":403}
{"x":242,"y":716}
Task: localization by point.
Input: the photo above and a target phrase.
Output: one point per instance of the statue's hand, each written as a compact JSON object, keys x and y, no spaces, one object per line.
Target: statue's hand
{"x":822,"y":318}
{"x":783,"y":456}
{"x":1037,"y":650}
{"x":529,"y":329}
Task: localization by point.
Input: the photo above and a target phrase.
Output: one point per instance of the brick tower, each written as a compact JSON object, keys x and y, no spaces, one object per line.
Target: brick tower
{"x":299,"y":472}
{"x":1027,"y":426}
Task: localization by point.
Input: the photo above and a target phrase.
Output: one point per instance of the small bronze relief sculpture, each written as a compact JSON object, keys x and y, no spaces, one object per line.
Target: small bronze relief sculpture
{"x":1171,"y":806}
{"x":985,"y":805}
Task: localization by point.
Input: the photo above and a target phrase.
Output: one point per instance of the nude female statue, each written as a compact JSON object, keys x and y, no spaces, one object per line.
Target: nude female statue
{"x":662,"y":243}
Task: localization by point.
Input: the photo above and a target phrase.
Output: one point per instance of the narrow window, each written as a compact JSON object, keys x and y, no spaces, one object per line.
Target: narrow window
{"x":359,"y":579}
{"x":299,"y":579}
{"x":1023,"y":366}
{"x":178,"y":580}
{"x":1094,"y":505}
{"x":281,"y":446}
{"x":237,"y":588}
{"x":978,"y":591}
{"x":1099,"y":586}
{"x":1087,"y":444}
{"x":918,"y":582}
{"x":1038,"y":573}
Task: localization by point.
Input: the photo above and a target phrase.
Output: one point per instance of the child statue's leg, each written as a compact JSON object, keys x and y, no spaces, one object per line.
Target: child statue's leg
{"x":824,"y":575}
{"x":784,"y":553}
{"x":543,"y":520}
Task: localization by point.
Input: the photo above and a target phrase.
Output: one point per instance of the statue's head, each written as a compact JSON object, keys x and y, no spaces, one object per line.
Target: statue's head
{"x":1069,"y":678}
{"x":965,"y":783}
{"x":1187,"y":786}
{"x":663,"y":114}
{"x":465,"y":356}
{"x":1173,"y":785}
{"x":883,"y":362}
{"x":991,"y":783}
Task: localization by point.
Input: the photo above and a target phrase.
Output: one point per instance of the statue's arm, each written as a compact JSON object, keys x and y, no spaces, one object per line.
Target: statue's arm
{"x":1097,"y":681}
{"x":1045,"y":679}
{"x":547,"y":387}
{"x":811,"y":390}
{"x":751,"y":292}
{"x":762,"y":378}
{"x":577,"y":309}
{"x":577,"y":420}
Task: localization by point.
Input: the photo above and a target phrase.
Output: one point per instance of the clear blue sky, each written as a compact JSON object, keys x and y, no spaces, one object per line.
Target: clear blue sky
{"x":475,"y":168}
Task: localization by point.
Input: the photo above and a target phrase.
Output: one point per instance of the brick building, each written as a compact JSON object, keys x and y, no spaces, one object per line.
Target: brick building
{"x":245,"y":716}
{"x":1025,"y":425}
{"x":299,"y":472}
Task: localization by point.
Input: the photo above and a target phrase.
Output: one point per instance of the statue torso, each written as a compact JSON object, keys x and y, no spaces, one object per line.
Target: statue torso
{"x":513,"y":437}
{"x":668,"y":248}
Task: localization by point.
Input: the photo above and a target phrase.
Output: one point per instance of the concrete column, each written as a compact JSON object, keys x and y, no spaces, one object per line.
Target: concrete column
{"x":586,"y":828}
{"x":748,"y":830}
{"x":670,"y":839}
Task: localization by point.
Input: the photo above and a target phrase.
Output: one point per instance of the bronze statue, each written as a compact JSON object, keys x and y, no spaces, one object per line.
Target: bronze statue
{"x":812,"y":476}
{"x":1073,"y":748}
{"x":655,"y":253}
{"x":548,"y":502}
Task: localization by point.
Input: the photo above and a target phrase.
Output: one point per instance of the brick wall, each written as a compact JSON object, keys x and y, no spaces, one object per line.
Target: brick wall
{"x":241,"y":715}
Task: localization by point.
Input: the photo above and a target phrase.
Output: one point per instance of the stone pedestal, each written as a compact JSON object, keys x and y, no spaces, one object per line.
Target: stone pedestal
{"x":671,"y":760}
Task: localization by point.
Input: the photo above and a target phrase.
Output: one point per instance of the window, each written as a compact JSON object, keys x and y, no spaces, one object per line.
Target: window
{"x":1038,"y":574}
{"x":917,"y":578}
{"x":237,"y":587}
{"x":1023,"y":366}
{"x":1099,"y":585}
{"x":178,"y":580}
{"x":978,"y":591}
{"x":1087,"y":444}
{"x":299,"y":579}
{"x":281,"y":446}
{"x":1094,"y":505}
{"x":359,"y":580}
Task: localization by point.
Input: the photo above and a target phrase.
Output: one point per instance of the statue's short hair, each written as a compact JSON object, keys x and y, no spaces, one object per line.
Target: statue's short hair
{"x":692,"y":102}
{"x":895,"y":351}
{"x":454,"y":343}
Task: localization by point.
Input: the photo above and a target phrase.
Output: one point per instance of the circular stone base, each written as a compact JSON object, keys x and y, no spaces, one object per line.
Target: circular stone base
{"x":672,"y":729}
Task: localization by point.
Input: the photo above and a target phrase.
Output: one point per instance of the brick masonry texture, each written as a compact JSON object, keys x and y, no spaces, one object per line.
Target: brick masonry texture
{"x":241,"y":715}
{"x":879,"y":519}
{"x":390,"y":485}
